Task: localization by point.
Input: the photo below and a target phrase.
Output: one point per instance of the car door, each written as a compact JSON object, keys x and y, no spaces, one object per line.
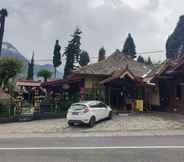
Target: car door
{"x":97,"y":111}
{"x":104,"y":111}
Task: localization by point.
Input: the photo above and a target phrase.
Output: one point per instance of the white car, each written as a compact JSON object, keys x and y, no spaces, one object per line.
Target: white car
{"x":88,"y":112}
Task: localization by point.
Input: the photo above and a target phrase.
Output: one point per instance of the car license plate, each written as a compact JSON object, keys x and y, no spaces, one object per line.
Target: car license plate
{"x":75,"y":113}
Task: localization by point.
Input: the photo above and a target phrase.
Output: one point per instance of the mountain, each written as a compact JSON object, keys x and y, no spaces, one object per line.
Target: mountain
{"x":9,"y":50}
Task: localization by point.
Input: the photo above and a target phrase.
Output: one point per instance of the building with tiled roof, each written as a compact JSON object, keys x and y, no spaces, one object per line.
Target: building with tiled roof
{"x":115,"y":62}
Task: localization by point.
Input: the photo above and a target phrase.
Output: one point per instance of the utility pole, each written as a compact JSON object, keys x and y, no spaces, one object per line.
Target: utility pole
{"x":3,"y":15}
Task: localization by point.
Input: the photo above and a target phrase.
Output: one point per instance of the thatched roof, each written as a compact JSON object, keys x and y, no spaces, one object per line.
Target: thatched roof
{"x":114,"y":63}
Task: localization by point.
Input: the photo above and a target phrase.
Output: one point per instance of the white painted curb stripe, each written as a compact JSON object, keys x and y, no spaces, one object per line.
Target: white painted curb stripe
{"x":92,"y":148}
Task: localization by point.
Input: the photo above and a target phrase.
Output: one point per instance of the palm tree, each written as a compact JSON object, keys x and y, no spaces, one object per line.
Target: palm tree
{"x":3,"y":15}
{"x":45,"y":74}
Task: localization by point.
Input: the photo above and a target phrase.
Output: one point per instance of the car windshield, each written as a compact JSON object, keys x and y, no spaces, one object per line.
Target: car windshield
{"x":77,"y":107}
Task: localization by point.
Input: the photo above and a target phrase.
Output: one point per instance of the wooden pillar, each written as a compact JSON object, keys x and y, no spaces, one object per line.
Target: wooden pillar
{"x":182,"y":97}
{"x":109,"y":96}
{"x":172,"y":96}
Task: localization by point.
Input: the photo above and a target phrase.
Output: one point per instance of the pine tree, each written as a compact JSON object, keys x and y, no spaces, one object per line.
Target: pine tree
{"x":140,"y":59}
{"x":84,"y":58}
{"x":129,"y":47}
{"x":101,"y":54}
{"x":175,"y":42}
{"x":30,"y":72}
{"x":72,"y":53}
{"x":56,"y":56}
{"x":149,"y":61}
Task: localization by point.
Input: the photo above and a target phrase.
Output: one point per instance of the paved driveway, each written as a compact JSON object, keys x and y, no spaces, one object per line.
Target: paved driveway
{"x":136,"y":122}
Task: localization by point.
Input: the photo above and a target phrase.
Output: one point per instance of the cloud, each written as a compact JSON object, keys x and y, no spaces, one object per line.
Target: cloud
{"x":136,"y":4}
{"x":36,"y":25}
{"x":96,"y":3}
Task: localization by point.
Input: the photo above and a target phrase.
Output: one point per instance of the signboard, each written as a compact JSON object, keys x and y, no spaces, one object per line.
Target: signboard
{"x":88,"y":83}
{"x":139,"y":105}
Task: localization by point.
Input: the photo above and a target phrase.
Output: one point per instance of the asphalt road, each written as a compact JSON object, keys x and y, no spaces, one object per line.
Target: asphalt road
{"x":93,"y":149}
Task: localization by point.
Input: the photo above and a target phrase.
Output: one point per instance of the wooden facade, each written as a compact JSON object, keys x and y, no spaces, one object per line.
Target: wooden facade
{"x":172,"y":94}
{"x":78,"y":87}
{"x":123,"y":89}
{"x":170,"y":80}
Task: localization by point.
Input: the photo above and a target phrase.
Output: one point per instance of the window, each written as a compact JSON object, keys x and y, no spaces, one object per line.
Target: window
{"x":102,"y":105}
{"x":93,"y":105}
{"x":98,"y":105}
{"x":77,"y":107}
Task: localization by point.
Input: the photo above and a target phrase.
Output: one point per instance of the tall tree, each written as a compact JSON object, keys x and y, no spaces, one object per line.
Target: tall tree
{"x":149,"y":62}
{"x":84,"y":58}
{"x":129,"y":47}
{"x":3,"y":15}
{"x":45,"y":74}
{"x":140,"y":59}
{"x":30,"y":72}
{"x":9,"y":68}
{"x":72,"y":53}
{"x":175,"y":42}
{"x":101,"y":54}
{"x":56,"y":56}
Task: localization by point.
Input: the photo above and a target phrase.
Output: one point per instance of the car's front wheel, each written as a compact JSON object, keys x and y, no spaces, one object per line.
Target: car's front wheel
{"x":92,"y":122}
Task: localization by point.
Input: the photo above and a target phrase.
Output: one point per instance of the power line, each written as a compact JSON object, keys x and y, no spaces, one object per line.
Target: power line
{"x":139,"y":53}
{"x":151,"y":52}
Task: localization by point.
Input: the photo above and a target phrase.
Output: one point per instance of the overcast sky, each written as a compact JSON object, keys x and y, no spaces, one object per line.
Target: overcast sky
{"x":36,"y":24}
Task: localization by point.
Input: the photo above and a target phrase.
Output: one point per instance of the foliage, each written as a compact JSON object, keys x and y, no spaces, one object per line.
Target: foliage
{"x":5,"y":106}
{"x":72,"y":53}
{"x":149,"y":62}
{"x":175,"y":42}
{"x":30,"y":72}
{"x":158,"y":64}
{"x":45,"y":74}
{"x":9,"y":68}
{"x":140,"y":59}
{"x":129,"y":47}
{"x":84,"y":58}
{"x":57,"y":56}
{"x":101,"y":54}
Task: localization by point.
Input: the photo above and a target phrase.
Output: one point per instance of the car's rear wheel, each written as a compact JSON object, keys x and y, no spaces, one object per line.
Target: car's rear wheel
{"x":110,"y":115}
{"x":92,"y":122}
{"x":70,"y":124}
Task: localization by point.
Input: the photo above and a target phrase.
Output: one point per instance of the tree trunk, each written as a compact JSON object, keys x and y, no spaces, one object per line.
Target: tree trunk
{"x":45,"y":79}
{"x":55,"y":72}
